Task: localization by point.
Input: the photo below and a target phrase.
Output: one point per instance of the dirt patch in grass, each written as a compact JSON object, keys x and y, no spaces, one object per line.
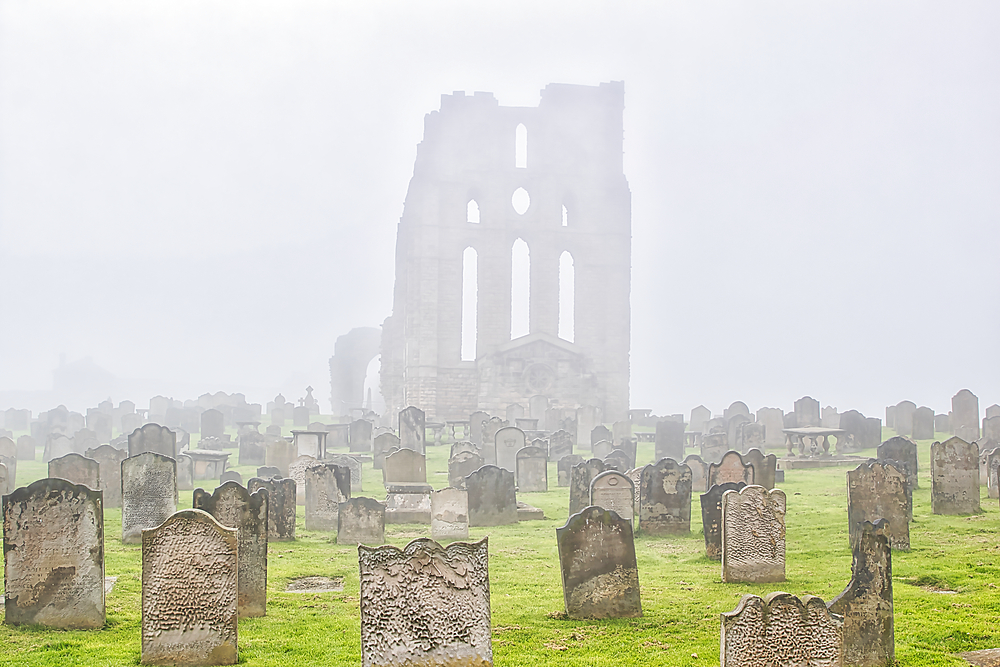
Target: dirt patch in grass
{"x":315,"y":584}
{"x":988,"y":658}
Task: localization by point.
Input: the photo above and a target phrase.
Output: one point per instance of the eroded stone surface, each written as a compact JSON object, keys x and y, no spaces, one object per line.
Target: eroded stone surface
{"x":326,"y":486}
{"x":560,"y":445}
{"x":954,"y":477}
{"x":361,"y":521}
{"x":109,"y":461}
{"x":492,"y":500}
{"x":149,"y":493}
{"x":711,"y":517}
{"x":564,"y":467}
{"x":8,"y":458}
{"x":877,"y":490}
{"x":77,"y":469}
{"x":600,"y":577}
{"x":614,"y":491}
{"x":781,"y":630}
{"x":532,"y":470}
{"x":665,"y":498}
{"x":404,"y":466}
{"x":450,"y":514}
{"x":732,"y":468}
{"x":461,"y":465}
{"x":581,"y":475}
{"x":281,"y":494}
{"x":753,"y":535}
{"x":189,"y":584}
{"x":425,"y":605}
{"x":53,"y":535}
{"x":903,"y":450}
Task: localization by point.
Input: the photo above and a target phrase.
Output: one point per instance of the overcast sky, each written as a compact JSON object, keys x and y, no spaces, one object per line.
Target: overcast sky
{"x":205,"y":194}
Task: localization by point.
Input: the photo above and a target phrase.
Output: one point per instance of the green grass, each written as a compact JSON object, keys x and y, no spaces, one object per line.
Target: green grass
{"x":945,"y":589}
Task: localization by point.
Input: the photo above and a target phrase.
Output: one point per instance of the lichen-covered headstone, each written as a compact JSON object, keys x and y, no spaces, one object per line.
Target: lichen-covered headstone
{"x":753,"y":535}
{"x":492,"y":499}
{"x":699,"y":473}
{"x":764,"y":467}
{"x":877,"y":490}
{"x":280,"y":506}
{"x":954,"y":477}
{"x":597,"y":562}
{"x":665,"y":498}
{"x":149,"y":493}
{"x":361,"y":521}
{"x":425,"y":605}
{"x":711,"y":517}
{"x":532,"y":470}
{"x":580,"y":478}
{"x":412,"y":425}
{"x":109,"y":461}
{"x":189,"y":591}
{"x":461,"y":465}
{"x":450,"y":514}
{"x":78,"y":469}
{"x":866,"y":602}
{"x":153,"y":438}
{"x":326,"y":486}
{"x":613,"y":490}
{"x":732,"y":468}
{"x":781,"y":631}
{"x":903,"y":450}
{"x":564,"y":467}
{"x":53,"y":542}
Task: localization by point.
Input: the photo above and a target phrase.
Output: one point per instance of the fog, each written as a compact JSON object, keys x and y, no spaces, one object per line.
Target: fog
{"x":201,"y":196}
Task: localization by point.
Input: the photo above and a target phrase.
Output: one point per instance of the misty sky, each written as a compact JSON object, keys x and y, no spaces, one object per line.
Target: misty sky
{"x":204,"y":195}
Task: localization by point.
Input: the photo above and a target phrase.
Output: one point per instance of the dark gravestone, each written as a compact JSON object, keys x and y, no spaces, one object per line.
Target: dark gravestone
{"x":599,"y":433}
{"x":669,"y":440}
{"x":381,"y":446}
{"x":153,"y":438}
{"x":580,"y":478}
{"x":890,"y":416}
{"x":327,"y":485}
{"x":873,"y":432}
{"x":361,"y":435}
{"x":764,"y":467}
{"x":877,"y":490}
{"x":866,"y":603}
{"x":903,"y":450}
{"x":560,"y":445}
{"x":618,"y":460}
{"x":53,"y":539}
{"x":600,"y":577}
{"x":532,"y":470}
{"x":351,"y":463}
{"x":965,"y":416}
{"x":807,"y":412}
{"x":213,"y":424}
{"x":699,"y":473}
{"x":361,"y":521}
{"x":665,"y":498}
{"x":109,"y":461}
{"x":614,"y":491}
{"x":230,"y":476}
{"x":955,"y":477}
{"x":564,"y":466}
{"x":628,"y":447}
{"x":492,"y":501}
{"x":266,"y":472}
{"x":149,"y":493}
{"x":280,"y":506}
{"x":855,"y":438}
{"x":732,"y":468}
{"x":923,"y":424}
{"x":462,"y":465}
{"x":234,"y":507}
{"x":711,"y":517}
{"x":77,"y":469}
{"x":412,"y":432}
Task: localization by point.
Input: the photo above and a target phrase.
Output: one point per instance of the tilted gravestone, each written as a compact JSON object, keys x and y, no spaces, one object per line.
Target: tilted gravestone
{"x":732,"y":468}
{"x":753,"y":535}
{"x":532,"y":465}
{"x":281,"y":494}
{"x":876,"y":490}
{"x":699,"y":473}
{"x":450,"y":514}
{"x":109,"y":461}
{"x":711,"y":517}
{"x":326,"y":486}
{"x":361,"y":521}
{"x":954,"y":477}
{"x":614,"y":491}
{"x":412,"y":433}
{"x":665,"y":498}
{"x":361,"y":435}
{"x":54,"y":555}
{"x":149,"y":493}
{"x":781,"y":630}
{"x":492,"y":499}
{"x":903,"y":450}
{"x":382,"y":445}
{"x":580,"y":478}
{"x":669,"y":443}
{"x":77,"y":469}
{"x":564,"y":466}
{"x":765,"y":467}
{"x":189,"y":591}
{"x":153,"y":438}
{"x":351,"y":463}
{"x":561,"y":444}
{"x":965,"y":416}
{"x":508,"y":441}
{"x":866,"y":602}
{"x":597,"y":562}
{"x":462,"y":465}
{"x":233,"y":506}
{"x":425,"y":604}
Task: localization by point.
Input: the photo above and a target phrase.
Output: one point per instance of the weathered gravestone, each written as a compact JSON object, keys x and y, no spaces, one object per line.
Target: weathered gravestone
{"x":281,"y":497}
{"x":734,"y":431}
{"x":361,"y":435}
{"x":361,"y":521}
{"x":404,"y":474}
{"x":153,"y":438}
{"x":942,"y":423}
{"x":613,"y":490}
{"x":711,"y":517}
{"x":580,"y":478}
{"x":903,"y":417}
{"x":352,"y":464}
{"x":773,"y":421}
{"x":185,"y":472}
{"x":923,"y":424}
{"x":56,"y":445}
{"x":508,"y":442}
{"x":752,"y":437}
{"x":781,"y":631}
{"x":425,"y":605}
{"x":669,"y":443}
{"x":25,"y":448}
{"x":992,"y":472}
{"x":855,"y":438}
{"x":450,"y":514}
{"x":297,"y":471}
{"x":53,"y":540}
{"x":537,"y":405}
{"x":965,"y":416}
{"x":234,"y":507}
{"x":8,"y":458}
{"x":211,"y":443}
{"x":599,"y":433}
{"x":765,"y":467}
{"x":476,"y":422}
{"x":626,"y":450}
{"x":903,"y":450}
{"x":753,"y":535}
{"x":561,"y":444}
{"x":807,"y":412}
{"x":954,"y":477}
{"x":149,"y":493}
{"x":714,"y":446}
{"x":532,"y":465}
{"x":600,"y":577}
{"x":699,"y":473}
{"x":462,"y":465}
{"x":77,"y":469}
{"x":699,"y":419}
{"x":492,"y":500}
{"x":732,"y":468}
{"x":84,"y":439}
{"x":310,"y":443}
{"x":231,"y":476}
{"x":412,"y":429}
{"x":514,"y":412}
{"x":665,"y":498}
{"x":381,"y":446}
{"x":327,"y":485}
{"x":300,"y":416}
{"x":109,"y":461}
{"x":279,"y":453}
{"x":252,"y":446}
{"x":877,"y":490}
{"x":213,"y":424}
{"x":866,"y":602}
{"x":189,"y":591}
{"x":601,"y":449}
{"x":490,"y":428}
{"x":565,"y":466}
{"x":991,"y":429}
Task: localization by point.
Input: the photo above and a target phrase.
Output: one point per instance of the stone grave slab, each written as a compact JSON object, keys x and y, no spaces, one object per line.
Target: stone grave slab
{"x":532,"y":465}
{"x":614,"y":491}
{"x":732,"y":468}
{"x":699,"y":473}
{"x":765,"y":467}
{"x":153,"y":438}
{"x":109,"y":461}
{"x":361,"y":521}
{"x":581,"y":476}
{"x":412,"y":429}
{"x":903,"y":450}
{"x":149,"y":493}
{"x":711,"y":517}
{"x":281,"y":497}
{"x":461,"y":465}
{"x":508,"y":442}
{"x":77,"y":469}
{"x":669,"y":443}
{"x":564,"y":467}
{"x":782,"y":630}
{"x":955,"y":477}
{"x":351,"y":463}
{"x":665,"y":498}
{"x":753,"y":535}
{"x":876,"y":490}
{"x":492,"y":499}
{"x":327,"y":485}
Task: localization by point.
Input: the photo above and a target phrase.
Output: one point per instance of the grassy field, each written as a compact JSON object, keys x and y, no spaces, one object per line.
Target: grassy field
{"x":946,"y":589}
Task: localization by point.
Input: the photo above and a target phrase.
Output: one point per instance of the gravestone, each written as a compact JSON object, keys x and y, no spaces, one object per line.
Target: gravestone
{"x":890,"y":416}
{"x":621,"y":430}
{"x":711,"y":517}
{"x":279,"y":453}
{"x":476,"y":420}
{"x":942,"y":424}
{"x":669,"y":443}
{"x":617,"y":460}
{"x":753,"y":535}
{"x":85,"y":439}
{"x":764,"y":467}
{"x":326,"y":486}
{"x":993,"y":411}
{"x":923,"y":424}
{"x":903,"y":417}
{"x":281,"y":497}
{"x":665,"y":498}
{"x":310,"y":443}
{"x":600,"y":433}
{"x":425,"y":604}
{"x":130,"y":421}
{"x":565,"y":466}
{"x":234,"y":507}
{"x":597,"y":562}
{"x":8,"y":458}
{"x":993,"y":472}
{"x":699,"y":418}
{"x":361,"y":435}
{"x":736,"y":408}
{"x":561,"y":444}
{"x":965,"y":416}
{"x":53,"y":537}
{"x":492,"y":499}
{"x":713,"y":446}
{"x":855,"y":438}
{"x":781,"y":631}
{"x":189,"y":591}
{"x":903,"y":450}
{"x":300,"y":416}
{"x":56,"y":445}
{"x":213,"y":424}
{"x":450,"y":514}
{"x":537,"y":405}
{"x":732,"y":468}
{"x":462,"y":465}
{"x":807,"y":412}
{"x":628,"y":448}
{"x":352,"y":464}
{"x":266,"y":472}
{"x":77,"y":469}
{"x":490,"y":428}
{"x":381,"y":446}
{"x":532,"y":465}
{"x":587,"y":417}
{"x":185,"y":472}
{"x":614,"y":491}
{"x":25,"y":448}
{"x":991,"y":430}
{"x":514,"y":412}
{"x":601,"y":449}
{"x":734,"y":431}
{"x":211,"y":443}
{"x":231,"y":476}
{"x":152,"y":438}
{"x":404,"y":474}
{"x":462,"y":446}
{"x":252,"y":447}
{"x":273,"y":429}
{"x":866,"y":602}
{"x":829,"y":417}
{"x":954,"y":477}
{"x":361,"y":521}
{"x":752,"y":437}
{"x":877,"y":490}
{"x":581,"y":475}
{"x":773,"y":421}
{"x":412,"y":429}
{"x":699,"y":473}
{"x":508,"y":442}
{"x":405,"y":466}
{"x":149,"y":493}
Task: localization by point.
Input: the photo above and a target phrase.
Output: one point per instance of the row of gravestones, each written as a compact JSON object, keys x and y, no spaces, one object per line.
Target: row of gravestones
{"x":921,"y":423}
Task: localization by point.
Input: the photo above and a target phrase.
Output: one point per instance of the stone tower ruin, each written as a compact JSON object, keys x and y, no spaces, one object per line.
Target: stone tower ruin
{"x":487,"y":177}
